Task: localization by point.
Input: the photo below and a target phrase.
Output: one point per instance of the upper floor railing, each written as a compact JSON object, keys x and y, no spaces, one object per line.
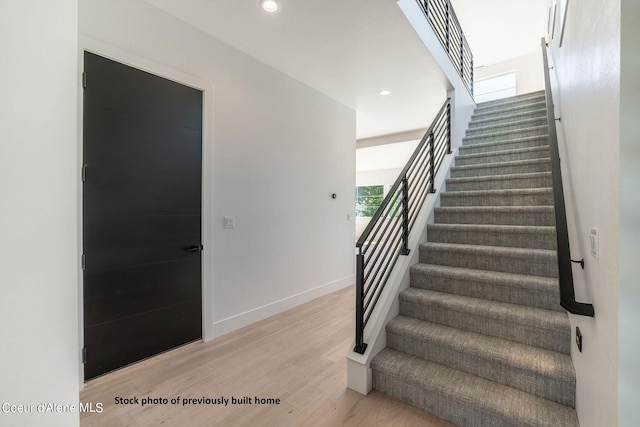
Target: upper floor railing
{"x":443,"y":20}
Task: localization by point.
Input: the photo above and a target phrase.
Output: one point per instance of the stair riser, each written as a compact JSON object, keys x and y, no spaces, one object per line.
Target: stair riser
{"x":503,"y":127}
{"x":534,"y":264}
{"x":543,"y":181}
{"x":515,"y":144}
{"x":557,"y":389}
{"x":545,"y":299}
{"x":558,"y":339}
{"x":502,"y":104}
{"x":505,"y":135}
{"x":509,"y":169}
{"x":461,"y":398}
{"x":523,"y":108}
{"x":529,"y":154}
{"x":530,"y":95}
{"x":542,"y":239}
{"x":441,"y":405}
{"x":507,"y":118}
{"x":454,"y":199}
{"x":495,"y":218}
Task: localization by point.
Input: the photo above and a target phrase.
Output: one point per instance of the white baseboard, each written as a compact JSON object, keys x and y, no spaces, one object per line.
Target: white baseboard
{"x":230,"y":324}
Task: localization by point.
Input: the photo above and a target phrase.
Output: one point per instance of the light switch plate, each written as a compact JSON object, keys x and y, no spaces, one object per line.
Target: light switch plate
{"x":229,"y":222}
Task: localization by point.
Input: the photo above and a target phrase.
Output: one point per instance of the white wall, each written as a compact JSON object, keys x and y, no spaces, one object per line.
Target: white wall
{"x":377,"y":177}
{"x":587,"y":68}
{"x":528,"y":69}
{"x":280,"y":149}
{"x":38,"y":223}
{"x":629,"y":293}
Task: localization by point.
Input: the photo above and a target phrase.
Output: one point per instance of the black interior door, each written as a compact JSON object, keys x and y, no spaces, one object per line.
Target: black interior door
{"x":141,"y":214}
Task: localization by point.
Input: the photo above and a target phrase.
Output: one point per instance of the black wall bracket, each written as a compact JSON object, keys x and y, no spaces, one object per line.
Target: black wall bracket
{"x":580,"y":261}
{"x":579,"y":339}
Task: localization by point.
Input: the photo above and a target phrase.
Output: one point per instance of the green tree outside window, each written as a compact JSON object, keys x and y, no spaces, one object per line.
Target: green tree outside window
{"x":368,"y":199}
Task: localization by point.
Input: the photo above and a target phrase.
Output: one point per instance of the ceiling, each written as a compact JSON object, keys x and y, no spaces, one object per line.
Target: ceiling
{"x":498,"y":30}
{"x":387,"y":156}
{"x":350,"y":50}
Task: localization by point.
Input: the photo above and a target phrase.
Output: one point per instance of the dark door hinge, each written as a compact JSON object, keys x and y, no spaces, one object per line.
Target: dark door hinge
{"x":84,"y":173}
{"x":84,"y":80}
{"x":84,"y":354}
{"x":83,"y":261}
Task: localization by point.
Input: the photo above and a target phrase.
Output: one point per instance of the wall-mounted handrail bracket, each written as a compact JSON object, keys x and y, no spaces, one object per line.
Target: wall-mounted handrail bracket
{"x":579,"y":261}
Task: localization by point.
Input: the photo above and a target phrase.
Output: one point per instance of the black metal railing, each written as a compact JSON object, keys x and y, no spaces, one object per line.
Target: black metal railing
{"x":565,"y":273}
{"x":387,"y":234}
{"x":444,"y":22}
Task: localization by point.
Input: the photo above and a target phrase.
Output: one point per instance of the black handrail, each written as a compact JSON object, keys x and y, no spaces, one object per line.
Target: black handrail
{"x":445,"y":24}
{"x":386,"y":236}
{"x":565,"y":274}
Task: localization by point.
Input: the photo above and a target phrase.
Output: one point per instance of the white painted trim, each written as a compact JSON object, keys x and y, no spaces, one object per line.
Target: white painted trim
{"x":249,"y":317}
{"x":98,"y":47}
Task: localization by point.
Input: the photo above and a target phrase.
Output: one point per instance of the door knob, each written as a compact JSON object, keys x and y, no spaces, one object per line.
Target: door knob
{"x":194,"y":248}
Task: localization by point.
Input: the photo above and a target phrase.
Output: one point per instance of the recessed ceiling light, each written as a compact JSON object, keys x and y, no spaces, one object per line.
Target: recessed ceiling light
{"x":270,"y":6}
{"x":384,"y":92}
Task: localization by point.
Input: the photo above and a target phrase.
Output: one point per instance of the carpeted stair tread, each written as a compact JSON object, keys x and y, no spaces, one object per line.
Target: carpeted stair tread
{"x":504,"y":215}
{"x":505,"y":109}
{"x":483,"y":113}
{"x":500,"y":182}
{"x":507,"y":106}
{"x":525,"y":99}
{"x":537,"y":262}
{"x":520,"y":236}
{"x":494,"y":127}
{"x":475,"y":275}
{"x":529,"y":175}
{"x":508,"y":117}
{"x":502,"y":168}
{"x":526,"y":153}
{"x":508,"y":197}
{"x":547,"y":374}
{"x":507,"y":144}
{"x":524,"y":96}
{"x":523,"y":289}
{"x":464,"y":399}
{"x":526,"y":325}
{"x":505,"y":134}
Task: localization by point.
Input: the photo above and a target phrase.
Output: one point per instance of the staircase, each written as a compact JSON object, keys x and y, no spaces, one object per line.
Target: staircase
{"x":481,"y":339}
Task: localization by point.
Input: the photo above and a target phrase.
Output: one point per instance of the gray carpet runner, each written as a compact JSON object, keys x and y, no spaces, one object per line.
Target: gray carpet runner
{"x":481,"y":339}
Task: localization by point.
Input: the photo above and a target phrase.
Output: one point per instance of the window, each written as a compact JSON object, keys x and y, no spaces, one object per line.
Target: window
{"x":368,"y":199}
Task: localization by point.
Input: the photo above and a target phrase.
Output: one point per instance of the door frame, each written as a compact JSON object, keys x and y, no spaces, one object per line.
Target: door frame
{"x":127,"y":58}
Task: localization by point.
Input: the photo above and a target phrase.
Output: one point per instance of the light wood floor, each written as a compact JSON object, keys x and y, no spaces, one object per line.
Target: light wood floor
{"x":297,"y":356}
